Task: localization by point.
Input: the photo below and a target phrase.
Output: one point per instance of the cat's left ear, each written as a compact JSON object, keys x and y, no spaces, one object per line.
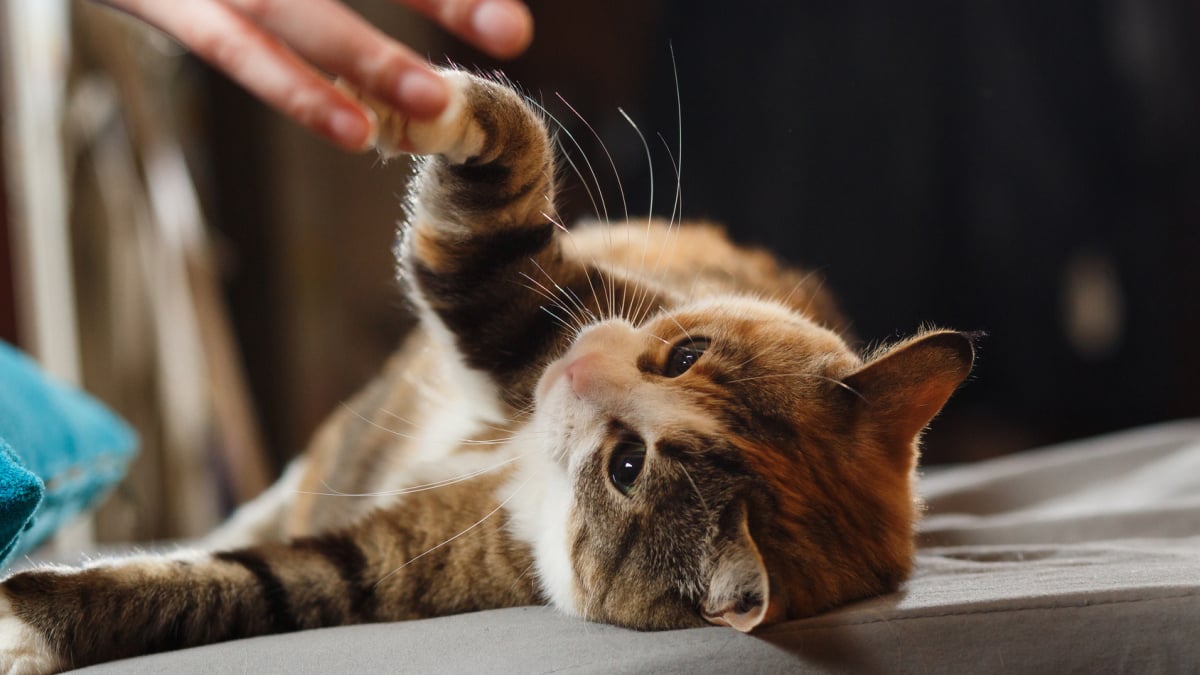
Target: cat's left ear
{"x":739,"y":588}
{"x":899,"y":392}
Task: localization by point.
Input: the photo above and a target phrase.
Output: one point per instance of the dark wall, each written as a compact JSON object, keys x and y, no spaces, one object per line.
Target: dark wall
{"x":1031,"y":170}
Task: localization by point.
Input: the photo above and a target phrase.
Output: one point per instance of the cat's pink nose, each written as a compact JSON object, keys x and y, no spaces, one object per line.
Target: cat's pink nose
{"x":582,"y":373}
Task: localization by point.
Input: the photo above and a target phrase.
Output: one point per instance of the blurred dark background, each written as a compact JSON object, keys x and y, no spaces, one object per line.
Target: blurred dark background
{"x":1029,"y":170}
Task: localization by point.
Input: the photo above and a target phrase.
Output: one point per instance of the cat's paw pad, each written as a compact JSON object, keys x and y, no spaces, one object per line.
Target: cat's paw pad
{"x":23,"y":650}
{"x":452,"y":133}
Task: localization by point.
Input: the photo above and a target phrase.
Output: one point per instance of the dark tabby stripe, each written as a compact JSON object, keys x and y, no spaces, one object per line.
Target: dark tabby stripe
{"x":347,"y":557}
{"x":273,"y":590}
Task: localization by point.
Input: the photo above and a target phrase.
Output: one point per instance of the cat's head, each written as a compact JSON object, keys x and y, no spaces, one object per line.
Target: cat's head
{"x":731,"y":461}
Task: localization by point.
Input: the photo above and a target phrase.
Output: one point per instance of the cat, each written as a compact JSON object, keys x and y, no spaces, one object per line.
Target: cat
{"x":640,"y":424}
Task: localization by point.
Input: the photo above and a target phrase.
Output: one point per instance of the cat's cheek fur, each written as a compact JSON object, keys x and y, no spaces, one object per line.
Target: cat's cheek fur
{"x":23,"y":649}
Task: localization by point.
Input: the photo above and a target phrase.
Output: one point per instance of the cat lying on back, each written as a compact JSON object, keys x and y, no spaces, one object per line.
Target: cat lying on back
{"x":642,"y":425}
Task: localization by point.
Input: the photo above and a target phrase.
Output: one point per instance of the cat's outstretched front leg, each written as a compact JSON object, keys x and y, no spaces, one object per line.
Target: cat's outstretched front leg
{"x":390,"y":566}
{"x":480,"y":249}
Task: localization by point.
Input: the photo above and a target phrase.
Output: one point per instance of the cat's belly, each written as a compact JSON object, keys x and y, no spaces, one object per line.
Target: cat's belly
{"x":424,"y":421}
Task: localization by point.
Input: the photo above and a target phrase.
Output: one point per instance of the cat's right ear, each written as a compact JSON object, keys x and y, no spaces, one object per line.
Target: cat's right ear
{"x":901,"y":390}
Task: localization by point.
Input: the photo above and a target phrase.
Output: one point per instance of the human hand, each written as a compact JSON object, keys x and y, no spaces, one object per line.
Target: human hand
{"x":277,"y":49}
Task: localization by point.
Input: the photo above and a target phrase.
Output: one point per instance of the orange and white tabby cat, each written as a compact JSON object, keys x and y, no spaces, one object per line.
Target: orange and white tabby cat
{"x":639,"y":424}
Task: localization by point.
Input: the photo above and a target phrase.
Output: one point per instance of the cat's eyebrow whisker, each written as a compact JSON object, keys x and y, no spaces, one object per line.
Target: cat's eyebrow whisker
{"x":813,"y":296}
{"x":468,"y":529}
{"x":743,"y":364}
{"x":785,"y":300}
{"x":671,"y":316}
{"x":815,"y":376}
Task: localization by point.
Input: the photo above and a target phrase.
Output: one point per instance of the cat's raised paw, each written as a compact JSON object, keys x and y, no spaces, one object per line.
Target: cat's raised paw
{"x":452,"y":133}
{"x":23,"y":650}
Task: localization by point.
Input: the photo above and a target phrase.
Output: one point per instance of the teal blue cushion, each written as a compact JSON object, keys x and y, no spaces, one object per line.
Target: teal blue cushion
{"x":60,"y":453}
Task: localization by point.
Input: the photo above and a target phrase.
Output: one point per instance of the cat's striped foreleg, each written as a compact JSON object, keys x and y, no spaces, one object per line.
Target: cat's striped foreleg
{"x":441,"y":552}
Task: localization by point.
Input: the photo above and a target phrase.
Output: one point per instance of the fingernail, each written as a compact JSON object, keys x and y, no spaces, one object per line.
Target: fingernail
{"x":421,"y":94}
{"x":502,"y":26}
{"x":349,"y":128}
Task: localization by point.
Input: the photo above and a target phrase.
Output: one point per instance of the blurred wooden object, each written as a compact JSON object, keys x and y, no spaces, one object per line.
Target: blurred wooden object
{"x":36,"y":38}
{"x":202,"y":453}
{"x":115,"y":280}
{"x":37,"y":53}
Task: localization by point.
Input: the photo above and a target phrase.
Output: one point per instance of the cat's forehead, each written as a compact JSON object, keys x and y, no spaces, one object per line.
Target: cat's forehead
{"x":768,"y":328}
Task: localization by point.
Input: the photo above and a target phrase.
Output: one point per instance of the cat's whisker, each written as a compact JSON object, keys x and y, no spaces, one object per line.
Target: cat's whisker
{"x":554,"y":301}
{"x":566,"y":292}
{"x":673,"y":227}
{"x":569,"y":330}
{"x":677,"y":160}
{"x":499,"y":440}
{"x":477,"y":523}
{"x":620,"y":186}
{"x":604,"y":147}
{"x":522,"y":575}
{"x":696,"y":488}
{"x":677,"y":201}
{"x":554,"y":221}
{"x":411,"y":437}
{"x":578,"y":251}
{"x":413,"y":489}
{"x":597,"y":206}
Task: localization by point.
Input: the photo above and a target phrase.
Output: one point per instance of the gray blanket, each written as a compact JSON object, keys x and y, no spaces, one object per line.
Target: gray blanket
{"x":1083,"y":557}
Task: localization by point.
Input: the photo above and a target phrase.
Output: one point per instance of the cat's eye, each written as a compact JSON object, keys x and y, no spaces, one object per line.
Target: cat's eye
{"x":684,"y":355}
{"x":625,"y":464}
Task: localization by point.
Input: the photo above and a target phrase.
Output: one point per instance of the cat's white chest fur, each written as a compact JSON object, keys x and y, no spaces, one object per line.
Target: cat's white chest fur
{"x":539,"y":500}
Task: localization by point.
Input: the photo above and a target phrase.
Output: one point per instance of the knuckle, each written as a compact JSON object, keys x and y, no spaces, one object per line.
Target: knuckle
{"x":306,"y":106}
{"x":377,"y":72}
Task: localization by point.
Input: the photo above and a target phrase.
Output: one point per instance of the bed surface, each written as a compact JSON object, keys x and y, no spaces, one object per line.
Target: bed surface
{"x":1083,"y":556}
